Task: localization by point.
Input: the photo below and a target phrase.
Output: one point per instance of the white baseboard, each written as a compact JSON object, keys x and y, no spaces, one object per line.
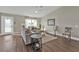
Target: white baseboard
{"x":74,"y":38}
{"x":59,"y":34}
{"x":5,"y":34}
{"x":14,"y":33}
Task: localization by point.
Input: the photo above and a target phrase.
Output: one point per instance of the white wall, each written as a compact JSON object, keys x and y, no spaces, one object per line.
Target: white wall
{"x":65,"y":16}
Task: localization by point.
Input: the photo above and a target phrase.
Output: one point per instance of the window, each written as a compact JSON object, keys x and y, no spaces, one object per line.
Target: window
{"x":30,"y":23}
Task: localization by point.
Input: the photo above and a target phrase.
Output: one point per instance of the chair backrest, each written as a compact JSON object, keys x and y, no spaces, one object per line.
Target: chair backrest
{"x":68,"y":29}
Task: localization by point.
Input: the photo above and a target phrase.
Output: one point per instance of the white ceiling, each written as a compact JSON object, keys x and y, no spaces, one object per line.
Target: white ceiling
{"x":28,"y":10}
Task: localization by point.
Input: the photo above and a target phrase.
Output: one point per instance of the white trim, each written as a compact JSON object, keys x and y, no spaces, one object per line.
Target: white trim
{"x":5,"y":34}
{"x":59,"y":34}
{"x":14,"y":33}
{"x":74,"y":38}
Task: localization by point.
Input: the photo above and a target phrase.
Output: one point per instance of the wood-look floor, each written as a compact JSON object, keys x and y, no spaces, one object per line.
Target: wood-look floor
{"x":12,"y":43}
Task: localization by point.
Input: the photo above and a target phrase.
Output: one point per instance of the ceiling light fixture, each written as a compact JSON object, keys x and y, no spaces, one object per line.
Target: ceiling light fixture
{"x":36,"y":11}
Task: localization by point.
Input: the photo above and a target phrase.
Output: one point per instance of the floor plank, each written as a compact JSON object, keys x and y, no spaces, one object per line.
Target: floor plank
{"x":14,"y":43}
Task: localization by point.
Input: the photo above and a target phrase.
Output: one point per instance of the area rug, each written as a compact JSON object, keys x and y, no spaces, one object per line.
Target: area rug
{"x":46,"y":38}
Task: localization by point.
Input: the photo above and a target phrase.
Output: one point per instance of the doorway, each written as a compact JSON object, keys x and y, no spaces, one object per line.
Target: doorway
{"x":6,"y":25}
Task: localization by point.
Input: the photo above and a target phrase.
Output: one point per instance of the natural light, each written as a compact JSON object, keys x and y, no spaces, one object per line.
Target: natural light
{"x":30,"y":23}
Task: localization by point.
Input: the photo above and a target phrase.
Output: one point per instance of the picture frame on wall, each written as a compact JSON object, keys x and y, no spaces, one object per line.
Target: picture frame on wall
{"x":51,"y":22}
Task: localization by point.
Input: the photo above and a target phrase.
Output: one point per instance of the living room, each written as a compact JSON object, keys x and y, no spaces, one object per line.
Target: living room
{"x":51,"y":21}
